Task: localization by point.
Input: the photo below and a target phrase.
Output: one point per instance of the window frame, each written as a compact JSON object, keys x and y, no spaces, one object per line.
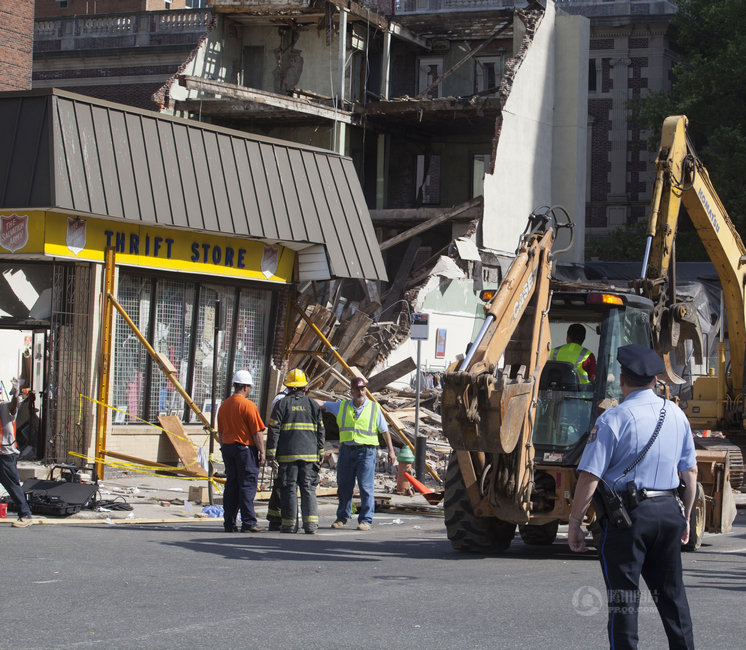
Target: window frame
{"x":147,"y":413}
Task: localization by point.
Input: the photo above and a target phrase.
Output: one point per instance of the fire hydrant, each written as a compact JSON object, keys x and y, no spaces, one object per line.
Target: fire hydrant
{"x":405,"y":458}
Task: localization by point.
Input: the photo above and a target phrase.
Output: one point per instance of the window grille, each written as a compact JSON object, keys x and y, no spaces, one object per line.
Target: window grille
{"x":164,"y":311}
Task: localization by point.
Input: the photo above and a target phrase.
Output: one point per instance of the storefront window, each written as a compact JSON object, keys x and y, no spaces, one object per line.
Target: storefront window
{"x":203,"y":355}
{"x":130,"y":357}
{"x":141,"y":390}
{"x":174,"y":308}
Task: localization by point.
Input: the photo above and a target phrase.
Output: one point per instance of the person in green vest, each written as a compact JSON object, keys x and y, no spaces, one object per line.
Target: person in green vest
{"x":360,"y":421}
{"x":582,"y":359}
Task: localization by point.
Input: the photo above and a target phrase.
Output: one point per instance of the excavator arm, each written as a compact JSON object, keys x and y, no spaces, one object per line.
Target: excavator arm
{"x":682,"y":178}
{"x":673,"y":322}
{"x":490,"y":410}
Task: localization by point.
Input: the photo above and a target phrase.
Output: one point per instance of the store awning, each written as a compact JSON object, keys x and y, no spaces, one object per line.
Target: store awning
{"x":68,"y":152}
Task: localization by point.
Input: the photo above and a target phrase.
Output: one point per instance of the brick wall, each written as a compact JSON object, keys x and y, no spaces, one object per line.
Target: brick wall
{"x":137,"y":95}
{"x":53,"y":8}
{"x":16,"y":44}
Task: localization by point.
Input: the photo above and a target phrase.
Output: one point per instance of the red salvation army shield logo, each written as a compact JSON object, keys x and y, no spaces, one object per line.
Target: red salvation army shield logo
{"x":75,"y":235}
{"x":14,"y":232}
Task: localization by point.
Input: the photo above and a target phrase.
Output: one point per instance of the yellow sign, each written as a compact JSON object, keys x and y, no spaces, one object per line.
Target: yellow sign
{"x":82,"y":238}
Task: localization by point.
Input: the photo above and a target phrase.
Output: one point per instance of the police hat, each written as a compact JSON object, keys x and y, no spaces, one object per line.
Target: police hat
{"x":639,"y":363}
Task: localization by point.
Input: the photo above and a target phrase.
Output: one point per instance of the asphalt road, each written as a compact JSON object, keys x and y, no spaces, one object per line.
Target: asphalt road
{"x":399,"y":586}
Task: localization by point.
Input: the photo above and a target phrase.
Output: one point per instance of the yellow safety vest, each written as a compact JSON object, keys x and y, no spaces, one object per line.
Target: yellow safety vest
{"x":575,"y":354}
{"x":360,"y":430}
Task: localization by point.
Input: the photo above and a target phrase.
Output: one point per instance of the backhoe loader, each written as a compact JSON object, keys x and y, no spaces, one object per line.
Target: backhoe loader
{"x":517,"y":420}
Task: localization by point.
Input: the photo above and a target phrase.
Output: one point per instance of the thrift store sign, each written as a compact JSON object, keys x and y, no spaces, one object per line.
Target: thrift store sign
{"x":59,"y":235}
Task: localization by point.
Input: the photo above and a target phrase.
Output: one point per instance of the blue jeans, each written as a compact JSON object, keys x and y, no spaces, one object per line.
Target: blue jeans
{"x":241,"y":477}
{"x":356,"y":464}
{"x":11,"y":482}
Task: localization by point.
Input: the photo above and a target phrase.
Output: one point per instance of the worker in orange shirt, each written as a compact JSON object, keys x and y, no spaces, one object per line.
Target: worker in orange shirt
{"x":240,"y":430}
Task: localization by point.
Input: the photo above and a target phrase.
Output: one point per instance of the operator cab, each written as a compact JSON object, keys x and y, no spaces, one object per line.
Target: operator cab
{"x":569,"y":400}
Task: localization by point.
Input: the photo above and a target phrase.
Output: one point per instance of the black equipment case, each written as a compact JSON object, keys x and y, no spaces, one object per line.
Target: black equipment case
{"x":64,"y":496}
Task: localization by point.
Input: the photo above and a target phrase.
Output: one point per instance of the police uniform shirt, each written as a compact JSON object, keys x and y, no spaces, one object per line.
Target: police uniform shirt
{"x":621,"y":433}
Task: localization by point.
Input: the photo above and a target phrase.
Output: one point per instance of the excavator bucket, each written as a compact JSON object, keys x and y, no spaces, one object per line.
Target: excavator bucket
{"x":670,"y":375}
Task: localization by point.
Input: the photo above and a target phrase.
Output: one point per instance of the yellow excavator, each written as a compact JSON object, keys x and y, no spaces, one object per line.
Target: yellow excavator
{"x":716,"y":404}
{"x":518,"y":420}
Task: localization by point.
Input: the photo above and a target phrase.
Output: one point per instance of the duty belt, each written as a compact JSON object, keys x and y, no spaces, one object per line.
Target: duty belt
{"x":650,"y":494}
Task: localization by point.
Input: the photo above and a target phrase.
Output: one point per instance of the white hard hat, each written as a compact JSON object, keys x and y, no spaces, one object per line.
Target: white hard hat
{"x":243,"y":377}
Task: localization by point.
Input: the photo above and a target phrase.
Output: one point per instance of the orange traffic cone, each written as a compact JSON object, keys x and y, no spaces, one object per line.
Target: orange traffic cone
{"x":432,"y":497}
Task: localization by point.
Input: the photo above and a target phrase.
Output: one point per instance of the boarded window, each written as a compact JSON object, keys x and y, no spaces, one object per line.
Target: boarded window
{"x":428,"y":179}
{"x":487,"y":73}
{"x":253,"y":66}
{"x":480,"y":166}
{"x":429,"y":71}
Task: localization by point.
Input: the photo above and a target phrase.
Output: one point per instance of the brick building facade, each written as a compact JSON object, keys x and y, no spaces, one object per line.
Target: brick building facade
{"x":53,"y":8}
{"x":16,"y":44}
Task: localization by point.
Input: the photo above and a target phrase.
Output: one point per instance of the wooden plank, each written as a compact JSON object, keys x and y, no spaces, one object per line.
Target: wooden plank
{"x":385,"y":377}
{"x":348,"y":338}
{"x":187,"y":452}
{"x":308,"y":339}
{"x":159,"y":466}
{"x":430,"y":223}
{"x":402,"y":275}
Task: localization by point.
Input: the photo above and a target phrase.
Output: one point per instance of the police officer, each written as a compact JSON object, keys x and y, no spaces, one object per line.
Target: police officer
{"x":651,"y":545}
{"x":573,"y":352}
{"x":296,"y":443}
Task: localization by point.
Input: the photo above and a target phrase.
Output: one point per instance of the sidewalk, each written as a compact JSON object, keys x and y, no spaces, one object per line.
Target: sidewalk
{"x":164,"y":499}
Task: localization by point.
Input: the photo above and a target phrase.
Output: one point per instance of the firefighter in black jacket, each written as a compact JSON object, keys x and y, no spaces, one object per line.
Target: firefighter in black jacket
{"x":295,"y":444}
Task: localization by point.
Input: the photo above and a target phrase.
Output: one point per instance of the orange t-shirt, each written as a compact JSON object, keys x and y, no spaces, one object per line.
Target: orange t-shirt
{"x":239,"y":420}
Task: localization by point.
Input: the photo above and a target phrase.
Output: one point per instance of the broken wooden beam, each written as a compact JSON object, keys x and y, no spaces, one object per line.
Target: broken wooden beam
{"x":385,"y":377}
{"x":430,"y":223}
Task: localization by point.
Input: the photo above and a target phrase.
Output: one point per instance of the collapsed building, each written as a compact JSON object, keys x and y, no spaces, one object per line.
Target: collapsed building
{"x":457,"y":130}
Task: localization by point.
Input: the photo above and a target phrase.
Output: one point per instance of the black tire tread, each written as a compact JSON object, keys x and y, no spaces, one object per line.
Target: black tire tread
{"x":466,"y":531}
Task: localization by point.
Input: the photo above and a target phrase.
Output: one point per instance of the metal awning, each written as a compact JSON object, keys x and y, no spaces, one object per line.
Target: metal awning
{"x":68,"y":152}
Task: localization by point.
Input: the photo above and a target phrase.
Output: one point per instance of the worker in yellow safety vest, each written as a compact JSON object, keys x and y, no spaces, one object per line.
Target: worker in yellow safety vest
{"x":360,"y":422}
{"x":573,"y":352}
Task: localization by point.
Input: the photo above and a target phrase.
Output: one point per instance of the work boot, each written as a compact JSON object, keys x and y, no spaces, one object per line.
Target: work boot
{"x":22,"y":522}
{"x":230,"y":529}
{"x":338,"y":524}
{"x":274,"y":526}
{"x":310,"y":530}
{"x":288,"y":529}
{"x":364,"y":525}
{"x":252,"y":529}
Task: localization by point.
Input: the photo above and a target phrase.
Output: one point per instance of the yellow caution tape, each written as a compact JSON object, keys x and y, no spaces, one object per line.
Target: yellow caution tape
{"x":150,"y":470}
{"x":134,"y":417}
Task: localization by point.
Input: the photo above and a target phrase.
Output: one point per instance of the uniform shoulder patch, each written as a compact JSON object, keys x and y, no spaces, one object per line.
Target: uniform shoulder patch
{"x":592,"y":434}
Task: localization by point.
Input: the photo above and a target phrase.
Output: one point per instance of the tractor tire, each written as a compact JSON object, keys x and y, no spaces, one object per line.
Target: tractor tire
{"x":541,"y":535}
{"x":467,"y":532}
{"x":697,"y":520}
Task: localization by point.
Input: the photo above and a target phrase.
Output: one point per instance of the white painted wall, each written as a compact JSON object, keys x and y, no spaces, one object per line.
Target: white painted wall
{"x":541,"y":152}
{"x":523,"y":163}
{"x":219,"y":58}
{"x":10,"y":366}
{"x":452,"y":305}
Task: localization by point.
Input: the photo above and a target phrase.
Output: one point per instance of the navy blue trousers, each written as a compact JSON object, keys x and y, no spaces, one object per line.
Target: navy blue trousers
{"x":241,"y":478}
{"x":651,"y":547}
{"x":11,"y":482}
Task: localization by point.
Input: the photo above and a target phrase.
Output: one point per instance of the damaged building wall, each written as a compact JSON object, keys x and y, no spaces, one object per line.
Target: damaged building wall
{"x":523,"y":177}
{"x":448,"y":297}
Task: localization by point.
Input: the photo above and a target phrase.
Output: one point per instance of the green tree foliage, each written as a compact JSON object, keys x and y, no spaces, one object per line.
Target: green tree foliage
{"x":710,"y":89}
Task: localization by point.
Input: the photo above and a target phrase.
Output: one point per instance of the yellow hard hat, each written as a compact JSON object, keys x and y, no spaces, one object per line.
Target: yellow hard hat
{"x":296,"y":378}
